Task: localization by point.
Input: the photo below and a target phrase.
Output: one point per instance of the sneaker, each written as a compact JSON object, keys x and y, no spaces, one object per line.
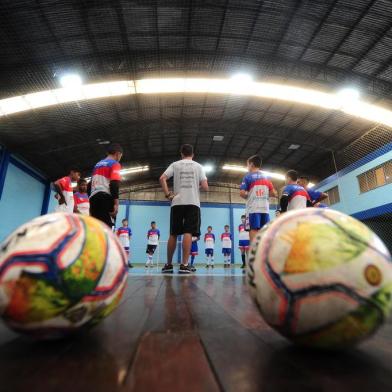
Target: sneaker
{"x":184,"y":269}
{"x":167,"y":269}
{"x":207,"y":266}
{"x":146,"y":266}
{"x":243,"y":266}
{"x":212,"y":266}
{"x":130,"y":265}
{"x":193,"y":269}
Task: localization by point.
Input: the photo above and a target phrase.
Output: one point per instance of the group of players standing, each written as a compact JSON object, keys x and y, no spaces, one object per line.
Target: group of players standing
{"x":100,"y":199}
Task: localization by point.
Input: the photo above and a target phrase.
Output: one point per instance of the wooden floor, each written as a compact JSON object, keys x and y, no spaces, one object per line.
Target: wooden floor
{"x":193,"y":333}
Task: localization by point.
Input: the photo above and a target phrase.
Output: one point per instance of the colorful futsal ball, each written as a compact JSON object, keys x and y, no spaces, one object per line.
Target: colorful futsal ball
{"x":321,"y":278}
{"x":60,"y":273}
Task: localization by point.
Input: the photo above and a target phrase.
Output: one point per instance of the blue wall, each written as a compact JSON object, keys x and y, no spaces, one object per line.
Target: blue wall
{"x":352,"y":201}
{"x":215,"y":215}
{"x":21,"y":199}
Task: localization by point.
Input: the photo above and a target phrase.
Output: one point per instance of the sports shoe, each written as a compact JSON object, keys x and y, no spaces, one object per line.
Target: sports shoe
{"x":130,"y":265}
{"x":167,"y":269}
{"x":146,"y":266}
{"x":193,"y":269}
{"x":184,"y":269}
{"x":243,"y":266}
{"x":212,"y":266}
{"x":207,"y":266}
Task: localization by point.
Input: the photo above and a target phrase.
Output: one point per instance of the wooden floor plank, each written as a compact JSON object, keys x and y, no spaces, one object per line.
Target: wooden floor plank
{"x":171,"y":362}
{"x":98,"y":360}
{"x":205,"y":331}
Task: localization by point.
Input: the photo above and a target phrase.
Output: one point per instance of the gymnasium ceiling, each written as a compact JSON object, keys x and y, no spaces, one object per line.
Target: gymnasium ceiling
{"x":318,"y":44}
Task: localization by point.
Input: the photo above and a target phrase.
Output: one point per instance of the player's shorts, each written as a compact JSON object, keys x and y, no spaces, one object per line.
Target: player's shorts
{"x":209,"y":252}
{"x":194,"y":249}
{"x":226,"y":251}
{"x":244,"y":244}
{"x":185,"y":219}
{"x":257,"y":220}
{"x":101,"y":205}
{"x":151,"y":249}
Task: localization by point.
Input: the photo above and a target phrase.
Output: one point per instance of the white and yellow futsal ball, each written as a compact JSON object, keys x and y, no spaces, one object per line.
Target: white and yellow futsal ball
{"x":60,"y":273}
{"x":321,"y":278}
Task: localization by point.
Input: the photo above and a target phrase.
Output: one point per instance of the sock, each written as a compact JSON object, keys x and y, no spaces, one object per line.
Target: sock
{"x":243,"y":258}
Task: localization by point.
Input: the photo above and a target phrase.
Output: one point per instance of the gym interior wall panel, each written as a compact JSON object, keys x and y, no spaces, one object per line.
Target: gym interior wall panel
{"x":140,"y":217}
{"x":217,"y":217}
{"x":52,"y":202}
{"x":351,"y":199}
{"x":21,"y":200}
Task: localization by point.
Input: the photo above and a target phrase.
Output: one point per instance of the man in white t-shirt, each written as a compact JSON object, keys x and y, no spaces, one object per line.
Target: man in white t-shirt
{"x":188,"y":178}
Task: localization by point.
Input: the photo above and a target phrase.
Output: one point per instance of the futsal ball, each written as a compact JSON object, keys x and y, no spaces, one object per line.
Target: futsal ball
{"x":321,"y":278}
{"x":60,"y":273}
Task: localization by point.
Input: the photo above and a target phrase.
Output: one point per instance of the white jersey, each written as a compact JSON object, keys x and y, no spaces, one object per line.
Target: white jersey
{"x":187,"y":176}
{"x":243,"y":235}
{"x":209,"y":240}
{"x":258,"y":188}
{"x":66,"y":190}
{"x":226,"y":240}
{"x":153,"y":237}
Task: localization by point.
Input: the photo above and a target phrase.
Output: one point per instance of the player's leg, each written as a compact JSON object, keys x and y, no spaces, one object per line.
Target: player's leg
{"x":208,"y":258}
{"x":191,"y":227}
{"x":148,"y":256}
{"x":212,"y":258}
{"x":152,"y":252}
{"x":176,"y":227}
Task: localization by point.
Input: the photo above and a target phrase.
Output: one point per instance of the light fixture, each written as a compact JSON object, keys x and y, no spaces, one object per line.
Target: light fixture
{"x":218,"y":138}
{"x":344,"y":101}
{"x":311,"y":185}
{"x":242,"y":78}
{"x":136,"y":169}
{"x":243,"y":169}
{"x":348,"y":94}
{"x":70,"y":80}
{"x":208,"y":168}
{"x":294,"y":146}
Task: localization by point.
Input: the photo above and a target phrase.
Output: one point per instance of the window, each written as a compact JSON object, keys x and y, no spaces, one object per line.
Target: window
{"x":375,"y":177}
{"x":333,"y":195}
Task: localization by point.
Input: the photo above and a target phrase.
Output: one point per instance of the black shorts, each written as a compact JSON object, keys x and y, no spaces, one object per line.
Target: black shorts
{"x":185,"y":219}
{"x":101,"y":205}
{"x":151,"y":249}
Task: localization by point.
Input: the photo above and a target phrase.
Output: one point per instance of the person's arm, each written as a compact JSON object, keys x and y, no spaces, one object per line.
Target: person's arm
{"x":114,"y":186}
{"x":284,"y":200}
{"x":114,"y":191}
{"x":204,"y":185}
{"x":163,"y":181}
{"x":244,"y":188}
{"x":59,"y":192}
{"x":76,"y":211}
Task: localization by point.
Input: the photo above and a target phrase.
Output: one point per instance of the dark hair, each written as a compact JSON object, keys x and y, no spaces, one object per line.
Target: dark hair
{"x":112,"y":148}
{"x":153,"y":223}
{"x":82,"y":181}
{"x":209,"y":227}
{"x":293,"y":174}
{"x":306,"y":178}
{"x":256,"y":160}
{"x":227,"y":226}
{"x":186,"y":150}
{"x":243,"y":216}
{"x":125,"y":219}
